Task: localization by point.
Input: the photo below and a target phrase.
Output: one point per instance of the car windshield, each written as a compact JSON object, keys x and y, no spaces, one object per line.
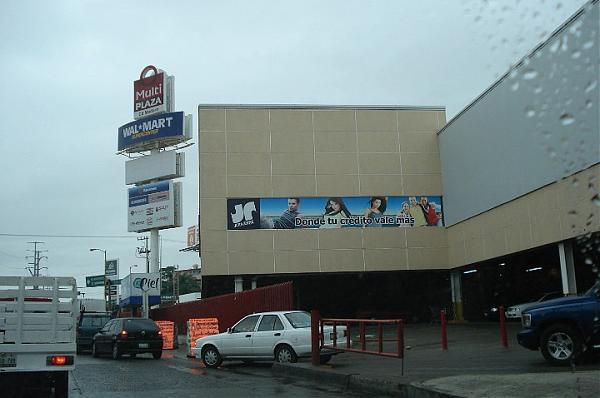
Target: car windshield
{"x":298,"y":319}
{"x":94,"y":321}
{"x":133,"y":325}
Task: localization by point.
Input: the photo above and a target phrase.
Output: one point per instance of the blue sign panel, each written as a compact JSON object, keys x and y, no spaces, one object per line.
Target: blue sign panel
{"x":138,"y":135}
{"x":144,"y":194}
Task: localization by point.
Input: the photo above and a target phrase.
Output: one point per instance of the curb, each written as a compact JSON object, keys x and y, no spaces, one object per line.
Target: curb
{"x":358,"y":383}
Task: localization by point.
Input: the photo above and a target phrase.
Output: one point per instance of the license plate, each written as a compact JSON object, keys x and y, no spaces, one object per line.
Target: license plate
{"x":8,"y":360}
{"x":143,"y":345}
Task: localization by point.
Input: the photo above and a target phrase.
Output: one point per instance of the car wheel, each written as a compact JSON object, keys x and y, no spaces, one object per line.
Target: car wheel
{"x":116,"y":354}
{"x":94,"y":351}
{"x":211,"y":357}
{"x":324,"y":359}
{"x":285,"y":353}
{"x":157,"y":355}
{"x":560,"y":344}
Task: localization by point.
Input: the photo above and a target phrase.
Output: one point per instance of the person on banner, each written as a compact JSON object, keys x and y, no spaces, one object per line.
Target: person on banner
{"x":377,"y":206}
{"x":431,"y":216}
{"x":335,"y":211}
{"x":417,"y":212}
{"x":405,"y":218}
{"x":287,"y":220}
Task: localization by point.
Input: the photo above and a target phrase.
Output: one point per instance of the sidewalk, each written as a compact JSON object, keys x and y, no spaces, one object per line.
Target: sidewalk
{"x":475,"y":365}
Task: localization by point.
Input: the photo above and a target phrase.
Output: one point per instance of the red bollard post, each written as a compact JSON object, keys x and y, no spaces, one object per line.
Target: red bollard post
{"x":444,"y":333}
{"x":503,"y":334}
{"x":315,"y":320}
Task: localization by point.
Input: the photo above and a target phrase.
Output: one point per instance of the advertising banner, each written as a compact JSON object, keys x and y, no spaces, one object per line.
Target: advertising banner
{"x":151,"y":206}
{"x":193,"y":235}
{"x":334,"y":212}
{"x":168,"y":128}
{"x":111,"y":269}
{"x":133,"y":287}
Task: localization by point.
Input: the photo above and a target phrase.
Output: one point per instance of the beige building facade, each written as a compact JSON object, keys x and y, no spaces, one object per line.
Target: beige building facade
{"x":298,"y":151}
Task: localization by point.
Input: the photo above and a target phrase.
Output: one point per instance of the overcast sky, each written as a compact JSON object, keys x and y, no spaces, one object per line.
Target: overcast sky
{"x":68,"y":67}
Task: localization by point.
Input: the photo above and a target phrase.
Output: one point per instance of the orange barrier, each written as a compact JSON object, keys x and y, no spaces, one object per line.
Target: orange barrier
{"x":167,"y":328}
{"x":200,"y":327}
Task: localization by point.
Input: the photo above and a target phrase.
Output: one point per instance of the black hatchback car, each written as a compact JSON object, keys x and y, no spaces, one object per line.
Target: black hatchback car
{"x":130,"y":336}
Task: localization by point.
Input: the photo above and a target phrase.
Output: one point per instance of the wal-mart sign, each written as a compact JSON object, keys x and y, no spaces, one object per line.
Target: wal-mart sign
{"x":168,"y":128}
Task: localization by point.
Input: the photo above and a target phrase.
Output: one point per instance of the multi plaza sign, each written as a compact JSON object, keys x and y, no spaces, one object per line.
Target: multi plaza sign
{"x":151,"y":94}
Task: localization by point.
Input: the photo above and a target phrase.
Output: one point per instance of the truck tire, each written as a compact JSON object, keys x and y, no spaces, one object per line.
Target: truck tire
{"x":560,"y":344}
{"x":61,"y":384}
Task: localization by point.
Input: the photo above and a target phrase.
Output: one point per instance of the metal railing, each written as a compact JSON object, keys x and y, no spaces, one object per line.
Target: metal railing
{"x":318,"y":336}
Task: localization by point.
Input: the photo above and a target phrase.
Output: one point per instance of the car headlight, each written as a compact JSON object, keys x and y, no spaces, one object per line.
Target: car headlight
{"x":526,"y":320}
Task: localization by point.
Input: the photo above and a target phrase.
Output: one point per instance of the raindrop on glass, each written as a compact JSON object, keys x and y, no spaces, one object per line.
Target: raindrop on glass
{"x":529,"y":111}
{"x":591,"y":86}
{"x":554,"y":46}
{"x":588,"y":44}
{"x":576,"y":54}
{"x":529,"y":74}
{"x":537,"y":89}
{"x":596,"y":200}
{"x":566,"y":119}
{"x":588,"y":104}
{"x":514,"y":86}
{"x":589,"y":261}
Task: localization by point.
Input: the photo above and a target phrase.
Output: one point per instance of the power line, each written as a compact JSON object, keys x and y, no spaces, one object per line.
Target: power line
{"x":67,"y":236}
{"x":80,"y":236}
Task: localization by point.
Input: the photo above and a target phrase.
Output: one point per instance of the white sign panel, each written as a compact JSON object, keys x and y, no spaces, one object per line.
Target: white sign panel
{"x":160,"y":166}
{"x":151,"y":206}
{"x":134,"y":286}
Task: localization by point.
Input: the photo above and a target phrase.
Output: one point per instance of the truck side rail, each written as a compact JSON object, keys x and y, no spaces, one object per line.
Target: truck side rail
{"x":38,"y":310}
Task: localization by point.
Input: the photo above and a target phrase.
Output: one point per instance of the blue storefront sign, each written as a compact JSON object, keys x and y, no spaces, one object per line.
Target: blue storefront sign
{"x":139,"y":134}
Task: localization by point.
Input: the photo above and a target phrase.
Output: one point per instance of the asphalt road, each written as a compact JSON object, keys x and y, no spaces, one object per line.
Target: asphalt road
{"x":175,"y":377}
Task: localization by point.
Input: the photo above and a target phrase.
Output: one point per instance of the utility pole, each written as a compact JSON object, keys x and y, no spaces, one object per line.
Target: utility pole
{"x":36,"y":260}
{"x":144,"y":250}
{"x":176,"y":283}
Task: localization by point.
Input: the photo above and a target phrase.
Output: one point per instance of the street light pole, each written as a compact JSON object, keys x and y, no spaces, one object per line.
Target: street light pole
{"x":109,"y":304}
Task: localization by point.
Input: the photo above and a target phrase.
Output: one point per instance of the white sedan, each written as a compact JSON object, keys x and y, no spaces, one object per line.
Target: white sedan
{"x":514,"y":311}
{"x":282,"y":336}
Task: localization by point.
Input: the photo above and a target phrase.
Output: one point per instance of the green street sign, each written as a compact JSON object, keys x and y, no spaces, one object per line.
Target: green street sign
{"x":94,"y":281}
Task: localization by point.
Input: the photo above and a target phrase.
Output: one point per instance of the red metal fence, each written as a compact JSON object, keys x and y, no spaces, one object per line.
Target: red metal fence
{"x":229,"y":308}
{"x":318,"y":336}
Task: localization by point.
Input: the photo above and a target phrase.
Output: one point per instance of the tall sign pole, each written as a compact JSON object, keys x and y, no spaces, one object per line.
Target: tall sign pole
{"x":152,"y":140}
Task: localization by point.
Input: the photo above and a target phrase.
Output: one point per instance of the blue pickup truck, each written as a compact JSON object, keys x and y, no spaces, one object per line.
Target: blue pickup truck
{"x":563,"y":329}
